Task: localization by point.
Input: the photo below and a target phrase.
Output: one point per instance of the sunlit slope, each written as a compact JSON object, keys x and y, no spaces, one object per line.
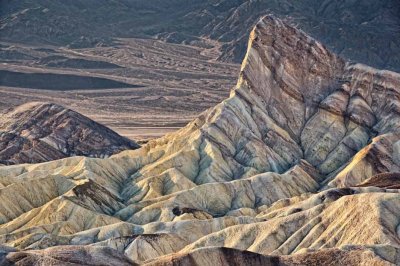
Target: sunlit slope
{"x":279,"y":168}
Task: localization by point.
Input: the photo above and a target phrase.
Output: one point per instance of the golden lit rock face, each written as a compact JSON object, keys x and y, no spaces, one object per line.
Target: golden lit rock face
{"x":285,"y":171}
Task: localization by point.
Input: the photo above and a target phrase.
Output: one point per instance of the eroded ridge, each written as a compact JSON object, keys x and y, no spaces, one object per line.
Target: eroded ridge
{"x":287,"y":170}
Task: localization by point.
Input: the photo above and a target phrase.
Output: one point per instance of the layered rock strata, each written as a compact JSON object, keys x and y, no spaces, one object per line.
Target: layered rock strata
{"x":288,"y":170}
{"x":41,"y":132}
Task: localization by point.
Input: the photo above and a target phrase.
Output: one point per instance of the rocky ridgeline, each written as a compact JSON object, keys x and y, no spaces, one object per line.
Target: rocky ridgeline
{"x":289,"y":170}
{"x":41,"y":132}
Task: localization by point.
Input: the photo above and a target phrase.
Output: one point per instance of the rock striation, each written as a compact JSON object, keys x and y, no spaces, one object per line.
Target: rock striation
{"x":297,"y":167}
{"x":40,"y":132}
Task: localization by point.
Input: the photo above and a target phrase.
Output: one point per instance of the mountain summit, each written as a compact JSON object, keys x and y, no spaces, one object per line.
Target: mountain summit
{"x":40,"y":132}
{"x":284,"y":172}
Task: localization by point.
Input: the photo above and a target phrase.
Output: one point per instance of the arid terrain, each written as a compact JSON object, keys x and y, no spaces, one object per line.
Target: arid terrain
{"x":187,"y":132}
{"x":148,"y":67}
{"x":298,"y":166}
{"x":365,"y":31}
{"x":140,"y":88}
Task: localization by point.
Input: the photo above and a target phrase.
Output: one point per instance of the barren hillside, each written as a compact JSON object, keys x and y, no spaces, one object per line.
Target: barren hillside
{"x":283,"y":172}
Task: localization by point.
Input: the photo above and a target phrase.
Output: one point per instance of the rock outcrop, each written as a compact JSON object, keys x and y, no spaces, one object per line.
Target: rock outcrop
{"x":40,"y":132}
{"x":287,"y":171}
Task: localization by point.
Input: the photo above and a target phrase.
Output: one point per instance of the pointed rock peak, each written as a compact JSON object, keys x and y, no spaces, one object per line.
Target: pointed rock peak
{"x":282,"y":57}
{"x":33,"y":110}
{"x":287,"y":74}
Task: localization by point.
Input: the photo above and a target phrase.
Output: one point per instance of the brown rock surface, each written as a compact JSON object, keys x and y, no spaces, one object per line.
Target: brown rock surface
{"x":383,"y":180}
{"x":40,"y":132}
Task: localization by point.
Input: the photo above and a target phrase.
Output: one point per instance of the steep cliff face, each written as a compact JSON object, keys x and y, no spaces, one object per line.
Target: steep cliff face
{"x":286,"y":167}
{"x":40,"y":132}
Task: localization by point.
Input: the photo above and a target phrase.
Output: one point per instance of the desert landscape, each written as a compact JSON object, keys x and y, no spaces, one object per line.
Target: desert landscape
{"x":156,"y":145}
{"x":140,"y":88}
{"x":147,"y":68}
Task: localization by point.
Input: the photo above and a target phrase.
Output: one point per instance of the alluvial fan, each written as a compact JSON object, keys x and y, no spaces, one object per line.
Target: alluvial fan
{"x":289,"y":170}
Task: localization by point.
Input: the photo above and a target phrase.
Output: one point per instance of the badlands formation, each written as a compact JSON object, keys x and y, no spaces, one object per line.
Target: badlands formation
{"x":40,"y":132}
{"x":297,"y":167}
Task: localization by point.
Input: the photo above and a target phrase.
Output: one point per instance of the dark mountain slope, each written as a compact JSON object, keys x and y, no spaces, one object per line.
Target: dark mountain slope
{"x":39,"y":132}
{"x":365,"y":31}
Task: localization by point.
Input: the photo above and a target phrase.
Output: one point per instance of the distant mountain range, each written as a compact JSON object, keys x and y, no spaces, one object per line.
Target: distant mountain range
{"x":365,"y":31}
